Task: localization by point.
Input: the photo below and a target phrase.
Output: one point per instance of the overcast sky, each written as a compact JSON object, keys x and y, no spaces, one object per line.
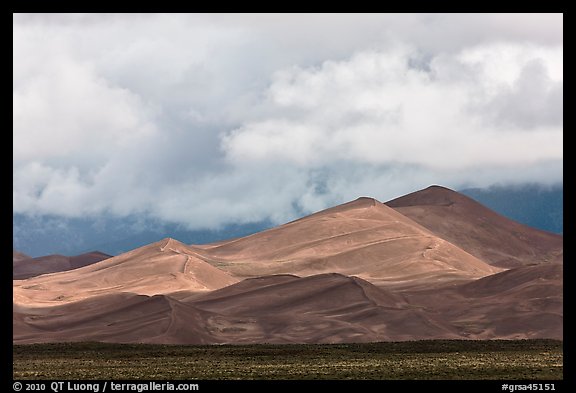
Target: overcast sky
{"x":207,"y":119}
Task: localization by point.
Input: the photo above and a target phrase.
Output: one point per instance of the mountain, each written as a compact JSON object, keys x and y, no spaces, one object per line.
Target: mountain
{"x":359,"y":272}
{"x":26,"y":267}
{"x":18,"y":256}
{"x":478,"y":230}
{"x":43,"y":235}
{"x":534,"y":205}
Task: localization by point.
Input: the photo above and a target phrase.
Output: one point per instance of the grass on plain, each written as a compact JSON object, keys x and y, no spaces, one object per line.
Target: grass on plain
{"x":431,"y":359}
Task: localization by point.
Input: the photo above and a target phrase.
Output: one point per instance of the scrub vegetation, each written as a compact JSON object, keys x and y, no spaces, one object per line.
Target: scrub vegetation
{"x":432,"y":359}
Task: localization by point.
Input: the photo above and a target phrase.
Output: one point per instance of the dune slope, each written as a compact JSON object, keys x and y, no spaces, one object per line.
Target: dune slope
{"x":364,"y":238}
{"x":158,"y":268}
{"x":478,"y":230}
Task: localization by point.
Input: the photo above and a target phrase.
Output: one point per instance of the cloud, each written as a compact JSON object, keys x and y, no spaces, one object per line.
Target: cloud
{"x":210,"y":119}
{"x":376,"y":108}
{"x":533,"y":100}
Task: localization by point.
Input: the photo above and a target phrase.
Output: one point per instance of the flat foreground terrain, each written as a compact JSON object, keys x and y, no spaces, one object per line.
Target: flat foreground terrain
{"x":437,"y":359}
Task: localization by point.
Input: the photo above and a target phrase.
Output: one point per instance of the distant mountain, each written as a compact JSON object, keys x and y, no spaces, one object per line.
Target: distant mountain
{"x":31,"y":267}
{"x":531,"y":204}
{"x":18,"y":256}
{"x":47,"y":235}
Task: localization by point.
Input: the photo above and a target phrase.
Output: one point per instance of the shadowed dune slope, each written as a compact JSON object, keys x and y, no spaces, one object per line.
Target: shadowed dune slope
{"x":520,"y":303}
{"x":120,"y":317}
{"x":31,"y":267}
{"x":317,"y":309}
{"x":479,"y":230}
{"x":158,"y":268}
{"x":364,"y":238}
{"x":325,"y":308}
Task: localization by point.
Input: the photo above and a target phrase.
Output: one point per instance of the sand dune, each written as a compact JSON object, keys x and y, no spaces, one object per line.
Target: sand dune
{"x":158,"y":268}
{"x":547,"y":278}
{"x":358,"y":272}
{"x":325,"y":308}
{"x":31,"y":267}
{"x":121,"y":317}
{"x":479,"y":230}
{"x":321,"y":309}
{"x":521,"y":303}
{"x":363,"y":238}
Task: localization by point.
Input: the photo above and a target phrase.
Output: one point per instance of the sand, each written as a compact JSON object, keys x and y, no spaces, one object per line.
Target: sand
{"x":431,"y":265}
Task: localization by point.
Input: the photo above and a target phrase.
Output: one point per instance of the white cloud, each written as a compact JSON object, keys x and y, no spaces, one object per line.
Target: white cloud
{"x":62,"y":107}
{"x":375,"y":108}
{"x":208,"y":119}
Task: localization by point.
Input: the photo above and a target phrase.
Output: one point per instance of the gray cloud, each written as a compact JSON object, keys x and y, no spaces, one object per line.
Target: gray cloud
{"x":533,"y":100}
{"x":209,"y":119}
{"x":376,"y":108}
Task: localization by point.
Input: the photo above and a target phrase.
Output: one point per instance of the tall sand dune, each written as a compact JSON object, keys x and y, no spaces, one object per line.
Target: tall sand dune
{"x":364,"y":238}
{"x":478,"y":230}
